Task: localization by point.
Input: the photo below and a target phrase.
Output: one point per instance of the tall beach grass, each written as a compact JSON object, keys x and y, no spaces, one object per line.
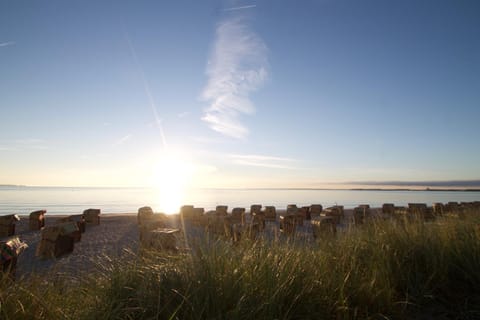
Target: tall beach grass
{"x":381,"y":270}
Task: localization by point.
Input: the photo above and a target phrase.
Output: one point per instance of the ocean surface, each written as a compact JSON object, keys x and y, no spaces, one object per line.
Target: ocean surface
{"x":64,"y":200}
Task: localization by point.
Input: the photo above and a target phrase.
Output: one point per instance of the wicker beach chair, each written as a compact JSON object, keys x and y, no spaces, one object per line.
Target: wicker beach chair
{"x":255,"y":208}
{"x":92,"y":216}
{"x":388,"y":208}
{"x":315,"y":210}
{"x":79,"y":220}
{"x":161,"y":238}
{"x":57,"y":240}
{"x":288,"y":224}
{"x":238,"y":216}
{"x":221,"y":210}
{"x":270,"y":213}
{"x":323,"y":226}
{"x":37,"y":220}
{"x":144,"y":213}
{"x":10,"y":250}
{"x":7,"y":225}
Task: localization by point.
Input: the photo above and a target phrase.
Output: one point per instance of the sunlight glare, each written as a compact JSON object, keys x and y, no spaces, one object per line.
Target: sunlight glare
{"x":171,"y":179}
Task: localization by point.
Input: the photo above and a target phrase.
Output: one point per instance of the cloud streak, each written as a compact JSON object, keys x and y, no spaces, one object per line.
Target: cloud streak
{"x":261,"y":161}
{"x":237,"y":67}
{"x":240,"y":8}
{"x":6,"y":44}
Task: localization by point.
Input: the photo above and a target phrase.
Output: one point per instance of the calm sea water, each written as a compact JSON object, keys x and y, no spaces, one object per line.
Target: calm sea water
{"x":23,"y":200}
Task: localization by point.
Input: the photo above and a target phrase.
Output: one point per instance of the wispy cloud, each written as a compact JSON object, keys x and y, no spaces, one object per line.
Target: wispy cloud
{"x":6,"y":44}
{"x":240,"y":7}
{"x":123,"y":140}
{"x":262,"y":161}
{"x":23,"y":144}
{"x":237,"y":67}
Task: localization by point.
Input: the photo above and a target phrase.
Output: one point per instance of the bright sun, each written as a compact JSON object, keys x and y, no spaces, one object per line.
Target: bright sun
{"x":172,"y":176}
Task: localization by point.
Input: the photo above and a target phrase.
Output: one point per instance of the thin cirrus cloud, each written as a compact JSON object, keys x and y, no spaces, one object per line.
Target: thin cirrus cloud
{"x":123,"y":140}
{"x":6,"y":44}
{"x":237,"y":67}
{"x":262,"y":161}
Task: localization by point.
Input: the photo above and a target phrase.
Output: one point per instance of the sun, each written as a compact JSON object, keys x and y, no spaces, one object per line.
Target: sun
{"x":171,"y":179}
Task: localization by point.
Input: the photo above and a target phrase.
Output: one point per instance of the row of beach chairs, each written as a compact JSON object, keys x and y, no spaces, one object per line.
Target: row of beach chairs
{"x":55,"y":240}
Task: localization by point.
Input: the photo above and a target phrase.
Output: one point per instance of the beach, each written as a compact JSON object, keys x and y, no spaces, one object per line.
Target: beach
{"x":117,"y":237}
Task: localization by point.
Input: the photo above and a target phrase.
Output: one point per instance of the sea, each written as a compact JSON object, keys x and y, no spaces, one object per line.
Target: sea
{"x":67,"y":200}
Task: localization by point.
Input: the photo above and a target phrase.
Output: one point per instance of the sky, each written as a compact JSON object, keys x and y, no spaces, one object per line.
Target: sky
{"x":239,"y":94}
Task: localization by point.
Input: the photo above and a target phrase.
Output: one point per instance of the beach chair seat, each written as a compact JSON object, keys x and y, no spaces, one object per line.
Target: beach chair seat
{"x":7,"y":225}
{"x":92,"y":216}
{"x":37,"y":220}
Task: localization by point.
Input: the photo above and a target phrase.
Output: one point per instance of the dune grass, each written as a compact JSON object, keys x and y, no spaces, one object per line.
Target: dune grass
{"x":382,"y":270}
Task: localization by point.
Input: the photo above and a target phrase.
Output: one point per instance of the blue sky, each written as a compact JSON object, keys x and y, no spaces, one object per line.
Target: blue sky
{"x":238,"y":93}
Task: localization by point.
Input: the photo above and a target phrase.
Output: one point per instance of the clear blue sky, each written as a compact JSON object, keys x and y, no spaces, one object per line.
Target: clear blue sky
{"x":238,"y":93}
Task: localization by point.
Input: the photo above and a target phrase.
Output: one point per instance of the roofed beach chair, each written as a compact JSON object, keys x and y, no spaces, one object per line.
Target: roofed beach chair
{"x":79,"y":220}
{"x":238,"y":216}
{"x":388,"y":209}
{"x":221,"y":210}
{"x":293,"y":210}
{"x":255,"y":209}
{"x":92,"y":216}
{"x":161,"y":238}
{"x":270,"y":213}
{"x":417,"y":211}
{"x":10,"y":250}
{"x":57,"y":240}
{"x":315,"y":210}
{"x":37,"y":220}
{"x":323,"y":226}
{"x":288,"y":224}
{"x":148,"y":221}
{"x":438,"y":208}
{"x":336,"y":212}
{"x":7,"y":225}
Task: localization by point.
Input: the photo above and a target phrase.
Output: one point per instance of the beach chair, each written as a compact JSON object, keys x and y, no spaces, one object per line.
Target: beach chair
{"x":315,"y":210}
{"x":221,"y":210}
{"x":270,"y":213}
{"x":336,"y":212}
{"x":162,"y":239}
{"x":79,"y":220}
{"x":92,"y":216}
{"x":37,"y":220}
{"x":144,"y":213}
{"x":438,"y":208}
{"x":255,"y":208}
{"x":417,"y":211}
{"x":323,"y":226}
{"x":10,"y":250}
{"x":288,"y":224}
{"x":359,"y":215}
{"x":388,"y":208}
{"x":7,"y":225}
{"x":238,"y":216}
{"x":57,"y":240}
{"x":293,"y":210}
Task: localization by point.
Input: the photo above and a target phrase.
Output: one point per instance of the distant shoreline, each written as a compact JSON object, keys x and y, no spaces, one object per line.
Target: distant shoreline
{"x":447,"y":189}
